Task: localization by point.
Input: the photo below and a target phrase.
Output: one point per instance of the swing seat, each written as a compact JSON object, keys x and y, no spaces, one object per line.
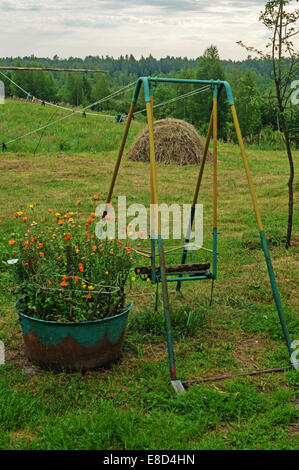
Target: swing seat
{"x":194,"y":271}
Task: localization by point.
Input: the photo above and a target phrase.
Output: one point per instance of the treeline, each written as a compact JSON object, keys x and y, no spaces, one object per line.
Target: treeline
{"x":251,"y":83}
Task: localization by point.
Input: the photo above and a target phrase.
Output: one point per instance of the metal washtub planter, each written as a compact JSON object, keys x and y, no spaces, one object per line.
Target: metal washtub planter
{"x":74,"y":346}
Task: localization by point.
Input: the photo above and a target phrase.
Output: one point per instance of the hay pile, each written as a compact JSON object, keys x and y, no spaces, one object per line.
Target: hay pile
{"x":176,"y":141}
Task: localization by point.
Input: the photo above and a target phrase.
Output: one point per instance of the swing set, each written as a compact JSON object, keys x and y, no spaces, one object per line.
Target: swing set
{"x":190,"y":272}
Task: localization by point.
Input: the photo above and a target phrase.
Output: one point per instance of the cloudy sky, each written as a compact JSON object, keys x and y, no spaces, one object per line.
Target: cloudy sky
{"x":114,"y":27}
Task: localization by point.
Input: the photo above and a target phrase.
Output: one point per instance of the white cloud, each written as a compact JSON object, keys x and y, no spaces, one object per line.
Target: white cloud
{"x":114,"y":27}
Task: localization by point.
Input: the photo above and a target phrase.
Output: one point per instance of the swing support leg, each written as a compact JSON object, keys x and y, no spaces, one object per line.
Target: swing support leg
{"x":262,"y":235}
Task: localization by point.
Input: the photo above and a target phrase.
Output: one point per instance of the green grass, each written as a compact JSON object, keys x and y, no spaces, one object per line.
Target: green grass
{"x":131,"y":405}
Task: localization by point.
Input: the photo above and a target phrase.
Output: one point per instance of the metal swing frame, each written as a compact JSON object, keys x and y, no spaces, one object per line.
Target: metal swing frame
{"x":217,"y":86}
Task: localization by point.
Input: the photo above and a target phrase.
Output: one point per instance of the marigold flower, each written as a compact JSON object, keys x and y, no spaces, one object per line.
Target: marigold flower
{"x":20,"y":213}
{"x":59,"y":258}
{"x":60,"y":222}
{"x":31,"y":206}
{"x":49,"y":282}
{"x":68,"y":235}
{"x":118,"y":242}
{"x":32,"y":239}
{"x":95,"y":197}
{"x":87,"y":233}
{"x":86,"y":225}
{"x":90,"y":288}
{"x":83,"y":285}
{"x":42,"y":219}
{"x":67,"y":215}
{"x":71,"y":219}
{"x":137,"y":270}
{"x":92,"y":235}
{"x":107,"y":272}
{"x":128,"y":248}
{"x":50,"y":210}
{"x":40,"y":245}
{"x":81,"y":268}
{"x":16,"y":214}
{"x":93,"y":214}
{"x":94,"y":248}
{"x":77,"y":250}
{"x":41,"y":254}
{"x":111,"y":252}
{"x":25,"y":264}
{"x":76,"y":278}
{"x":89,"y":296}
{"x":63,"y":283}
{"x":26,"y":244}
{"x":132,"y":260}
{"x":25,"y":219}
{"x":11,"y":242}
{"x":78,"y":202}
{"x":57,"y":215}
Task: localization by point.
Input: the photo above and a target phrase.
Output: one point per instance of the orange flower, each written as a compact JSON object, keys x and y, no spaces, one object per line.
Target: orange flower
{"x":81,"y":269}
{"x":68,"y":235}
{"x":25,"y":264}
{"x":132,"y":260}
{"x":78,"y":202}
{"x":94,"y":248}
{"x":118,"y":242}
{"x":87,"y":233}
{"x":128,"y":248}
{"x":42,"y":219}
{"x":50,"y":210}
{"x":25,"y":219}
{"x":67,"y":215}
{"x":86,"y":225}
{"x":32,"y":239}
{"x":76,"y":278}
{"x":89,"y":296}
{"x":89,"y":221}
{"x":26,"y":244}
{"x":92,"y":214}
{"x":137,"y":270}
{"x":63,"y":283}
{"x":60,"y":222}
{"x":41,"y":254}
{"x":59,"y":258}
{"x":40,"y":245}
{"x":11,"y":242}
{"x":92,"y":236}
{"x":50,"y":282}
{"x":16,"y":214}
{"x":95,"y":197}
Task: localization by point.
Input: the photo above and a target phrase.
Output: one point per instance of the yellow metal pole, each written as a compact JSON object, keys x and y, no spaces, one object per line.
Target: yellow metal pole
{"x":203,"y":161}
{"x":214,"y":162}
{"x":121,"y":151}
{"x":153,"y":171}
{"x":248,"y":174}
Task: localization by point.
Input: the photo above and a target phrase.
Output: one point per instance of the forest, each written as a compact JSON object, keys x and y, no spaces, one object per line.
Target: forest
{"x":251,"y":81}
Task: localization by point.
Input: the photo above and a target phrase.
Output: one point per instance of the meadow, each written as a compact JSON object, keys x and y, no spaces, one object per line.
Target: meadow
{"x":131,"y":405}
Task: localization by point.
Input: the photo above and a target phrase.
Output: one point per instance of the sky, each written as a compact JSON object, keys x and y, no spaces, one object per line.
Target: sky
{"x":80,"y":28}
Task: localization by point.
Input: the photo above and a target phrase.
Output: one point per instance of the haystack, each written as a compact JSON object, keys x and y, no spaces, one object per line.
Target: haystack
{"x":176,"y":141}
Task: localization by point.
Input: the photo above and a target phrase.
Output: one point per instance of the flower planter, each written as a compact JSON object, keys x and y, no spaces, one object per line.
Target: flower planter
{"x":74,"y":346}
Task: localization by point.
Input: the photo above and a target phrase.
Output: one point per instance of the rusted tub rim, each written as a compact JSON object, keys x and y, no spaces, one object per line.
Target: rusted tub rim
{"x":70,"y":323}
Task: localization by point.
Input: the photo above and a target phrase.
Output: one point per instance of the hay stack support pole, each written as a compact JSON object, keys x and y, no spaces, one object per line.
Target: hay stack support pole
{"x":216,"y":86}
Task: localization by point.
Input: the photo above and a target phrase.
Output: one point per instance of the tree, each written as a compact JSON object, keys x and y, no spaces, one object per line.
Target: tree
{"x":285,"y":66}
{"x":248,"y":106}
{"x":209,"y":67}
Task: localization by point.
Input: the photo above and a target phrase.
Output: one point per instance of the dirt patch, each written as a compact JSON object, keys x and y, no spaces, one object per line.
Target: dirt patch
{"x":249,"y":351}
{"x":176,"y":141}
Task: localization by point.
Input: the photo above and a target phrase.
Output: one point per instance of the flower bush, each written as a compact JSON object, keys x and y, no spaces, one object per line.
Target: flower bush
{"x":62,"y":272}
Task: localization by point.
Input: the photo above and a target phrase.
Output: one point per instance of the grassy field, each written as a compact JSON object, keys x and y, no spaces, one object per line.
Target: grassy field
{"x":131,"y":405}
